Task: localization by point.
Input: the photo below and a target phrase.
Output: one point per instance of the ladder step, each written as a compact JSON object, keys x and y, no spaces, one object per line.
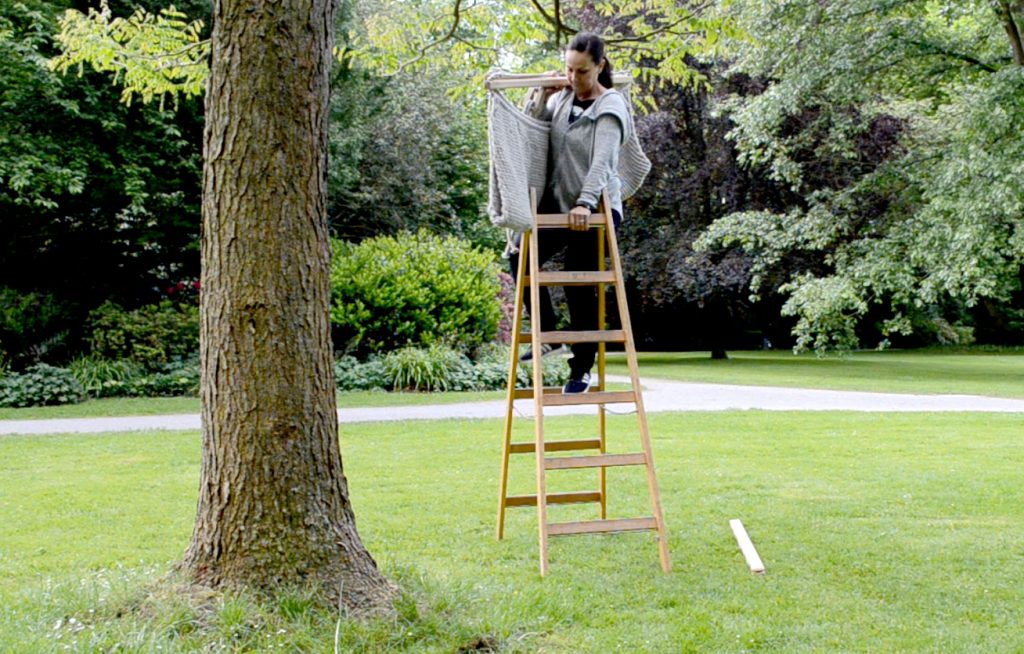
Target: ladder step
{"x":561,"y":220}
{"x":595,"y":461}
{"x":555,"y":498}
{"x":557,"y":446}
{"x":601,"y":526}
{"x":527,"y":393}
{"x":573,"y":278}
{"x":598,"y":397}
{"x":596,"y":336}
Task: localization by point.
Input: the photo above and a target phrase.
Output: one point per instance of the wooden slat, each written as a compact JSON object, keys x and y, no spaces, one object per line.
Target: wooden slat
{"x":557,"y":446}
{"x":561,"y":220}
{"x":573,"y":278}
{"x":594,"y":336}
{"x":600,"y":397}
{"x":601,"y":526}
{"x":577,"y":497}
{"x":596,"y":461}
{"x":531,"y":80}
{"x":527,"y":393}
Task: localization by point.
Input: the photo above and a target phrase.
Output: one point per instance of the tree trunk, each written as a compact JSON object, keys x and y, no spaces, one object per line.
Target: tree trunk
{"x":1012,"y":32}
{"x":273,"y":500}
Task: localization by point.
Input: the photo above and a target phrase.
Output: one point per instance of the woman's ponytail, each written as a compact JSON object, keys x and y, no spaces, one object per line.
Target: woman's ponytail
{"x":605,"y":76}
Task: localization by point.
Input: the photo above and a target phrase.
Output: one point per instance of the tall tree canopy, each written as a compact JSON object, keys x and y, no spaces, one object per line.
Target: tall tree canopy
{"x":931,"y":213}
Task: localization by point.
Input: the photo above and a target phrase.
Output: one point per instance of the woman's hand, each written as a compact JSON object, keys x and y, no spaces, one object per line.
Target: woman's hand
{"x":551,"y":90}
{"x":578,"y":218}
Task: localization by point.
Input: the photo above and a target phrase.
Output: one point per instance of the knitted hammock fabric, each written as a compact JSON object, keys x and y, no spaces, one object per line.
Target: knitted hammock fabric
{"x":518,"y":147}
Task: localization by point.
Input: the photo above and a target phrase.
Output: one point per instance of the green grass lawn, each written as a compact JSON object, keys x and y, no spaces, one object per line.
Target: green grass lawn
{"x":880,"y":532}
{"x":970,"y":372}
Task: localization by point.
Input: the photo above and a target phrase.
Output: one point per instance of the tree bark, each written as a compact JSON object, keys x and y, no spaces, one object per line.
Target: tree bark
{"x":273,"y":500}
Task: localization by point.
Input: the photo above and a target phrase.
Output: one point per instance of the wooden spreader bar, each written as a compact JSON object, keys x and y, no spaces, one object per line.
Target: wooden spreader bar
{"x":530,"y":279}
{"x":499,"y":81}
{"x":596,"y":336}
{"x":601,"y":526}
{"x":599,"y":461}
{"x":571,"y":278}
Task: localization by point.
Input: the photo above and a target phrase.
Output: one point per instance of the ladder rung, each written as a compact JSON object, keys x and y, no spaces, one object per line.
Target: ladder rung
{"x":527,"y":393}
{"x":561,"y":220}
{"x":601,"y":526}
{"x":557,"y":446}
{"x":599,"y":397}
{"x":595,"y":461}
{"x":573,"y":278}
{"x":555,"y":498}
{"x":596,"y":336}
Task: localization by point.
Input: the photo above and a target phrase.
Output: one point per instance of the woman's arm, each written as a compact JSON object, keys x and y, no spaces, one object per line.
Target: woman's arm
{"x":607,"y":139}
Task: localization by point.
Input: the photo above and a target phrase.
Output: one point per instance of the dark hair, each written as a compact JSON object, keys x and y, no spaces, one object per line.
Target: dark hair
{"x":593,"y":45}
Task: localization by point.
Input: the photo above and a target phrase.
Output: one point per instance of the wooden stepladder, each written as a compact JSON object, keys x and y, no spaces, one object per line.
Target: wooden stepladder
{"x":532,"y":277}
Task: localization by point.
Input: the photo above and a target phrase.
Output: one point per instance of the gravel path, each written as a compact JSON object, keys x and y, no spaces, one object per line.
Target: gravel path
{"x":659,"y":395}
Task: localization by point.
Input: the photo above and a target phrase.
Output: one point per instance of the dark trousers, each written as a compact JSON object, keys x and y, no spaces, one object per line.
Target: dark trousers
{"x":580,"y":254}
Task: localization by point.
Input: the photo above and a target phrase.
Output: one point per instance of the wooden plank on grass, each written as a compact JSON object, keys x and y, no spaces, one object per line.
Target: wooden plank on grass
{"x":747,"y":547}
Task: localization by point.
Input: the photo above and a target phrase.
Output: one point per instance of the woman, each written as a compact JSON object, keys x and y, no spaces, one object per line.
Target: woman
{"x":589,"y":123}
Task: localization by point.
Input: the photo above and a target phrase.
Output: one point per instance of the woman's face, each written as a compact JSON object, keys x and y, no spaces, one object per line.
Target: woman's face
{"x":582,"y":72}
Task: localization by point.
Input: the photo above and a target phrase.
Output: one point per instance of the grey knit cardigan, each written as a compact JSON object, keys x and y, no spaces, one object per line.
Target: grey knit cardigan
{"x":519,"y":146}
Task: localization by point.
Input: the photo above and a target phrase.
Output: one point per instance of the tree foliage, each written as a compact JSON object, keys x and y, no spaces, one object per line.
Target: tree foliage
{"x":931,"y":213}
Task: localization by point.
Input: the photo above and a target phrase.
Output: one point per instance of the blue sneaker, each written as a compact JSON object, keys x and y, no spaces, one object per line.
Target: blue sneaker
{"x":581,"y":385}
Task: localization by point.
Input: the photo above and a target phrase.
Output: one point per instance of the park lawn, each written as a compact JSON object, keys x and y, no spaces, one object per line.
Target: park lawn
{"x":880,"y":532}
{"x":928,"y":371}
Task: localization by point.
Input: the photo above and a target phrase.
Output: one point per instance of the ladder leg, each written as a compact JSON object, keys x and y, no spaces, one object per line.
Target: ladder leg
{"x":538,"y":402}
{"x":517,"y":325}
{"x":601,"y":416}
{"x":634,"y":374}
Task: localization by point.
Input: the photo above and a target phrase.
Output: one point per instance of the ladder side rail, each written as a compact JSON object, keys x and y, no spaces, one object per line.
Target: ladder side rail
{"x":645,"y":437}
{"x":538,"y":383}
{"x":517,"y":327}
{"x":602,"y":422}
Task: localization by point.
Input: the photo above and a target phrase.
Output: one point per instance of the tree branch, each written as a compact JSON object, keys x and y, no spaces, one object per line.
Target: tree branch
{"x":1012,"y":32}
{"x":933,"y":49}
{"x":456,"y":17}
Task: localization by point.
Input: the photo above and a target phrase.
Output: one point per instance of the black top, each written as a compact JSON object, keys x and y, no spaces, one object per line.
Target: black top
{"x":578,"y":107}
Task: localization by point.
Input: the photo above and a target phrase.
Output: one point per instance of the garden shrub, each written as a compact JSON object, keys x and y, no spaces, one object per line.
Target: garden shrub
{"x":352,"y":375}
{"x":168,"y":380}
{"x":29,"y":324}
{"x":40,"y":385}
{"x":105,"y":378}
{"x":412,"y":289}
{"x":423,"y":369}
{"x":152,"y":335}
{"x":439,"y":368}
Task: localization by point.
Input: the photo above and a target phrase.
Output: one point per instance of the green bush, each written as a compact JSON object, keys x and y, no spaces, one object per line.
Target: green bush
{"x":413,"y":289}
{"x":152,"y":335}
{"x":29,"y":324}
{"x":168,"y":380}
{"x":418,"y":369}
{"x":40,"y":385}
{"x":439,"y":368}
{"x":352,"y":375}
{"x":105,"y":378}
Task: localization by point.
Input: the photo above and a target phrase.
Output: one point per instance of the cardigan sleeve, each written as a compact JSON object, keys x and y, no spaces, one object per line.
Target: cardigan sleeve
{"x":607,"y":138}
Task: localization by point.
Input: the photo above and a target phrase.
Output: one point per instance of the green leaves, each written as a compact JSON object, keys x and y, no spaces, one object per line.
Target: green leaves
{"x":150,"y":55}
{"x":898,"y":125}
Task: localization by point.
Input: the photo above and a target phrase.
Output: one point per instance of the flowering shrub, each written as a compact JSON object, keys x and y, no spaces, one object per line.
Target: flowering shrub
{"x":507,"y":297}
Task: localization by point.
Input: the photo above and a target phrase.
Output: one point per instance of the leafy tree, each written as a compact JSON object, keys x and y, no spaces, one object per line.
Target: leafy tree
{"x":97,"y":199}
{"x":933,"y":212}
